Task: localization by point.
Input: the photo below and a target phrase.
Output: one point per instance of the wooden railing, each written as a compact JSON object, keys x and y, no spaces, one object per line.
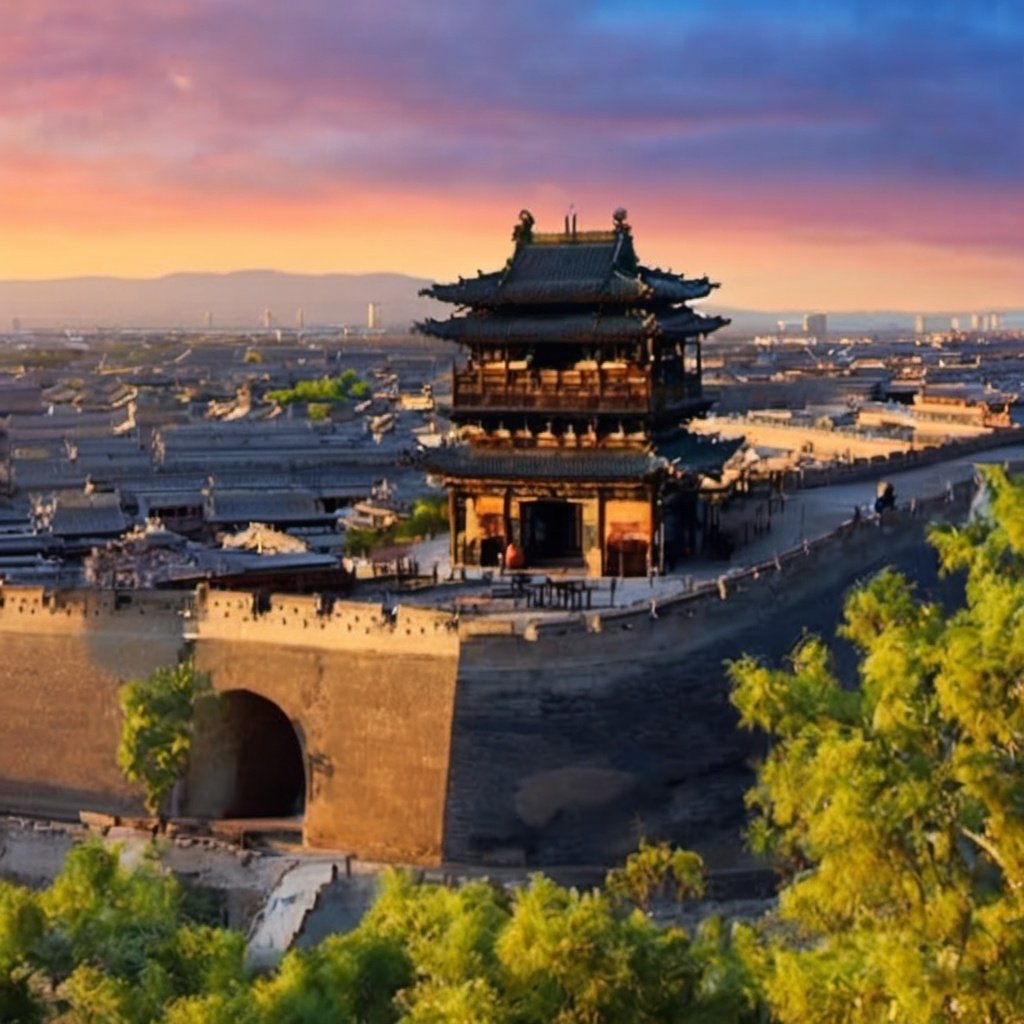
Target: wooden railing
{"x":611,"y":389}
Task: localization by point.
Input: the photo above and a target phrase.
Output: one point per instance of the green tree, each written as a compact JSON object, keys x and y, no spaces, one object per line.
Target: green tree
{"x":897,"y":808}
{"x":429,"y":518}
{"x":110,"y":944}
{"x":346,"y":387}
{"x":359,"y":542}
{"x":449,"y":937}
{"x":574,"y":958}
{"x":156,"y":729}
{"x":21,"y":930}
{"x":353,"y":977}
{"x":655,"y":869}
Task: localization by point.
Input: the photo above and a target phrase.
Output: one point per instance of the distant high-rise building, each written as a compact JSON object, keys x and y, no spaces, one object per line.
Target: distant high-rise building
{"x":816,"y":324}
{"x":954,"y":323}
{"x":978,"y":322}
{"x":207,"y":319}
{"x":267,"y":319}
{"x":995,"y":322}
{"x":16,"y":324}
{"x":920,"y":324}
{"x":300,"y":318}
{"x":374,"y":320}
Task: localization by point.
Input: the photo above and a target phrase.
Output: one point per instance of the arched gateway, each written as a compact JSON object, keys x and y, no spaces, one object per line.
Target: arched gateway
{"x":247,"y":760}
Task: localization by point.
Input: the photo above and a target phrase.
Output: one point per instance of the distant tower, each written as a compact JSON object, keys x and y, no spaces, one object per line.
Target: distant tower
{"x":977,"y":322}
{"x":207,"y":319}
{"x":954,"y":323}
{"x":816,"y":324}
{"x":995,"y":322}
{"x":16,"y":324}
{"x":267,"y":319}
{"x":300,"y":318}
{"x":920,"y":324}
{"x":374,"y":320}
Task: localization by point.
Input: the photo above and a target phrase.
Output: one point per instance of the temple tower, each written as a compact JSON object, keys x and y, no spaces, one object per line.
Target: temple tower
{"x":583,"y":367}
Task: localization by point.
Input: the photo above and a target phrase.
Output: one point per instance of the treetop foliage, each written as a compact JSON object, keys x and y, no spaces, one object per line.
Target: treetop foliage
{"x":346,"y":387}
{"x":428,"y":519}
{"x":115,"y":945}
{"x":156,"y":728}
{"x":897,"y":808}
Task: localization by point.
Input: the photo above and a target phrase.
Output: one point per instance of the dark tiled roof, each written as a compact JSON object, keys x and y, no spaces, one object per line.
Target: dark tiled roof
{"x":263,"y":506}
{"x":82,"y":515}
{"x":696,"y":453}
{"x":572,"y":328}
{"x":511,"y":463}
{"x":171,"y":499}
{"x":676,"y":288}
{"x":686,"y":452}
{"x":572,"y":271}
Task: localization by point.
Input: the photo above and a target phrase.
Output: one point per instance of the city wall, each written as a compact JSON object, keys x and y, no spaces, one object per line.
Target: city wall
{"x":545,"y":739}
{"x":370,"y":695}
{"x":63,"y":656}
{"x":598,"y":728}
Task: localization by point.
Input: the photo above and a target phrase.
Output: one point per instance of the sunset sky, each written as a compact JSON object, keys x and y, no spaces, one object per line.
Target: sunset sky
{"x":832,"y":155}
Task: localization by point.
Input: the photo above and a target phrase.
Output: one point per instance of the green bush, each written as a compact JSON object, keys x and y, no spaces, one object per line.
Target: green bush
{"x":156,"y":728}
{"x":327,"y":390}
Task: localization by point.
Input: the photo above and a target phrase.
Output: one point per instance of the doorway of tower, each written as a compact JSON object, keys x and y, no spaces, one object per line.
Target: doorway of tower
{"x":552,"y":532}
{"x":247,"y":760}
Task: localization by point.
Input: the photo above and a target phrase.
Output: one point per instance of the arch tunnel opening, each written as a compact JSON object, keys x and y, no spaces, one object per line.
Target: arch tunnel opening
{"x":247,"y":760}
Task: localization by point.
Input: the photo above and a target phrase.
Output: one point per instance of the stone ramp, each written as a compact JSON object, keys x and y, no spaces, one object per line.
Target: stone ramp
{"x":311,"y":901}
{"x":284,"y":911}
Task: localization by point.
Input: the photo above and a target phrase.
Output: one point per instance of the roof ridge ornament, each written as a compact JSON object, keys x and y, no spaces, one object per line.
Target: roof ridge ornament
{"x":522,"y":233}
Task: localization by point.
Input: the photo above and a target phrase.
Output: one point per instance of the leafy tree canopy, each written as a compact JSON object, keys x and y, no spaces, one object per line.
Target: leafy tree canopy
{"x":326,"y":390}
{"x":107,"y":944}
{"x":156,"y":728}
{"x":897,"y":808}
{"x":428,"y":519}
{"x":110,"y":945}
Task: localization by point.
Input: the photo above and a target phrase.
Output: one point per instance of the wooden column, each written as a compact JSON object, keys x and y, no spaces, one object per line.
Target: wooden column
{"x":453,"y":532}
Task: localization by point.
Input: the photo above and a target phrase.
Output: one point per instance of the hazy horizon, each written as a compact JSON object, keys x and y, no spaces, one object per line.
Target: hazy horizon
{"x":791,"y":310}
{"x":236,"y":300}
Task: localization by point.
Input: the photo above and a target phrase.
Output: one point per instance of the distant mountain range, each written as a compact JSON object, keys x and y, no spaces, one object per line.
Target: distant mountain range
{"x":239,"y":299}
{"x":236,"y":300}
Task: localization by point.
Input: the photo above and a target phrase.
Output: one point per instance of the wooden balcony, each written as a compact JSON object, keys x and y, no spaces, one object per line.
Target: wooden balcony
{"x":612,"y":389}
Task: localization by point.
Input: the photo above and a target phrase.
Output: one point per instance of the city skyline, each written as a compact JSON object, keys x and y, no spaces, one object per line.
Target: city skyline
{"x":816,"y":155}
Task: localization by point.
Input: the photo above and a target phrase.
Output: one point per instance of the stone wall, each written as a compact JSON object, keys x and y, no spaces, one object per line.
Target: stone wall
{"x":556,"y":739}
{"x":370,"y":696}
{"x":573,"y":738}
{"x":62,"y":658}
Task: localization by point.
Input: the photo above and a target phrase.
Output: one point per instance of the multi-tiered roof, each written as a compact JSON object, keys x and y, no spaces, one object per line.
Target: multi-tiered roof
{"x":583,"y":365}
{"x":574,"y":347}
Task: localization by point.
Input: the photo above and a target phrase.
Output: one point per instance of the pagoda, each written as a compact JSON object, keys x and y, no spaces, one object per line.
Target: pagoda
{"x":583,"y":367}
